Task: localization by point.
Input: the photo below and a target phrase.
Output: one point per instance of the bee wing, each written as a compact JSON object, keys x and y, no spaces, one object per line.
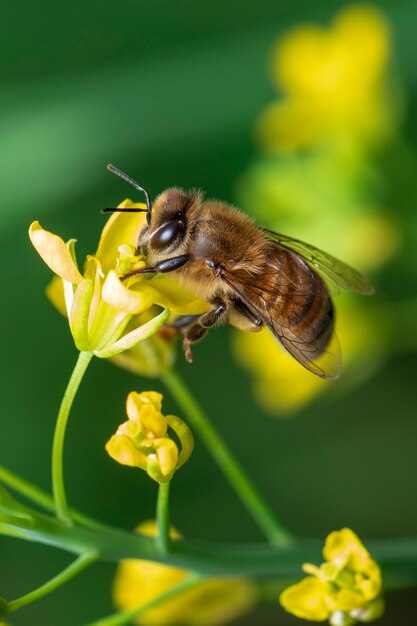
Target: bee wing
{"x":327,"y":365}
{"x":339,"y":273}
{"x":268,"y":301}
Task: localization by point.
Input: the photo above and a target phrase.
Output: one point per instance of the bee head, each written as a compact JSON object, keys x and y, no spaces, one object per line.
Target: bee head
{"x":167,"y":228}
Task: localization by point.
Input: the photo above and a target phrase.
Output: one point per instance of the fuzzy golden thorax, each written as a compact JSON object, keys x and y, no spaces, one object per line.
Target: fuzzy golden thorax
{"x":210,"y":230}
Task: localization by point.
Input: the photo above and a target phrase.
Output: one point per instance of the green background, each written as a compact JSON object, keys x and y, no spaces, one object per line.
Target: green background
{"x":169,"y":91}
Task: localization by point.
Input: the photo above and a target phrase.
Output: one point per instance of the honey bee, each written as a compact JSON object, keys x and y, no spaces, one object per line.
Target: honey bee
{"x":252,"y":277}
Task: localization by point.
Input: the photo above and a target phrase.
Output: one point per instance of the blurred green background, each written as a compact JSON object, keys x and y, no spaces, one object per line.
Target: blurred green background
{"x":169,"y":92}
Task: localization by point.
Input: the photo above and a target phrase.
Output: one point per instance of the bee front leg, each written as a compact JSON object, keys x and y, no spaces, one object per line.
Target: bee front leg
{"x":196,"y":331}
{"x":163,"y":267}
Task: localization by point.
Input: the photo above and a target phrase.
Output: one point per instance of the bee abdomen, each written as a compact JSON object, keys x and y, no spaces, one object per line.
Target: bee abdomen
{"x":304,"y":303}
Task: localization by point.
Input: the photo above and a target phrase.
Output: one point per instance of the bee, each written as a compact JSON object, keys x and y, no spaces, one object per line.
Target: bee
{"x":251,"y":276}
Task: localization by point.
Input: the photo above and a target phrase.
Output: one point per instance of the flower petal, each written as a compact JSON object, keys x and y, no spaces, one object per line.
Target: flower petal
{"x":135,"y":402}
{"x":54,"y":252}
{"x":167,"y":453}
{"x":122,"y":450}
{"x":145,"y":409}
{"x":117,"y":296}
{"x":306,"y":599}
{"x":346,"y":600}
{"x":343,"y":547}
{"x":55,"y":294}
{"x":132,"y":338}
{"x":369,"y":581}
{"x":120,"y":229}
{"x":167,"y":293}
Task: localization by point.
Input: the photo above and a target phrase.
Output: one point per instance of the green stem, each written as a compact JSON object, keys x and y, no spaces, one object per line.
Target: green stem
{"x":40,"y":497}
{"x":63,"y":577}
{"x":60,"y":497}
{"x":240,"y":481}
{"x":30,"y":491}
{"x":396,"y":557}
{"x":125,"y":617}
{"x":162,"y":518}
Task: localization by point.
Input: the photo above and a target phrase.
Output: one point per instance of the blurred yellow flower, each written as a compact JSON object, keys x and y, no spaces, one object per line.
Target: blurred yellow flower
{"x":100,"y":308}
{"x":282,"y":385}
{"x":212,"y":602}
{"x":345,"y":589}
{"x":334,"y":82}
{"x":143,"y":441}
{"x":320,"y":183}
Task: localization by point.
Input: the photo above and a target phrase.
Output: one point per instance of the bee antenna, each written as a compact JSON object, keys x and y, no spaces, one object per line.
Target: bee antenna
{"x":120,"y":174}
{"x":123,"y":210}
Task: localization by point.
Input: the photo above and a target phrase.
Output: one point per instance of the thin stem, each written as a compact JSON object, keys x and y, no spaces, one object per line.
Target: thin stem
{"x":240,"y":481}
{"x":162,"y":518}
{"x":58,"y":487}
{"x":30,"y":491}
{"x":40,"y":497}
{"x":125,"y":617}
{"x":63,"y":577}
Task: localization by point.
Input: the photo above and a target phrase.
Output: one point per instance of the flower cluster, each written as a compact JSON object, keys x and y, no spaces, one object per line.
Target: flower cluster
{"x":107,"y":316}
{"x":143,"y":441}
{"x":344,"y":590}
{"x":334,"y":82}
{"x":318,"y":179}
{"x":210,"y":603}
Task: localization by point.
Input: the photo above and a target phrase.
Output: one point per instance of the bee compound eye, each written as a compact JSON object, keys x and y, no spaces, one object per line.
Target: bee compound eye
{"x":166,"y":234}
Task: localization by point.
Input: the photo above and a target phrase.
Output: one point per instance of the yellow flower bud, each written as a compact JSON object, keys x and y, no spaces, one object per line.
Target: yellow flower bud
{"x":144,"y":440}
{"x":211,"y":602}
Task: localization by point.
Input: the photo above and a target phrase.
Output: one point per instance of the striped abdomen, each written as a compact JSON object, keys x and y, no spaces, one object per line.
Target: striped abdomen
{"x":293,"y":301}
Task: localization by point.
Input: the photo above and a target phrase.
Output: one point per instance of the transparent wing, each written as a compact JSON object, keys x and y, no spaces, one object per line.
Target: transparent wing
{"x":326,"y":365}
{"x":341,"y":274}
{"x":303,"y":342}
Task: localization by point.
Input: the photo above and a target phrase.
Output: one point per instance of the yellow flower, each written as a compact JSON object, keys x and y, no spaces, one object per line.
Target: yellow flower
{"x":333,"y":81}
{"x":345,"y":589}
{"x":211,"y":602}
{"x":100,"y":308}
{"x":143,"y":441}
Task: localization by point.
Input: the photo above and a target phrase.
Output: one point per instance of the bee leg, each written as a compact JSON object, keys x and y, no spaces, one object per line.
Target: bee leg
{"x":178,"y":326}
{"x":163,"y":267}
{"x":198,"y":329}
{"x":184,"y":321}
